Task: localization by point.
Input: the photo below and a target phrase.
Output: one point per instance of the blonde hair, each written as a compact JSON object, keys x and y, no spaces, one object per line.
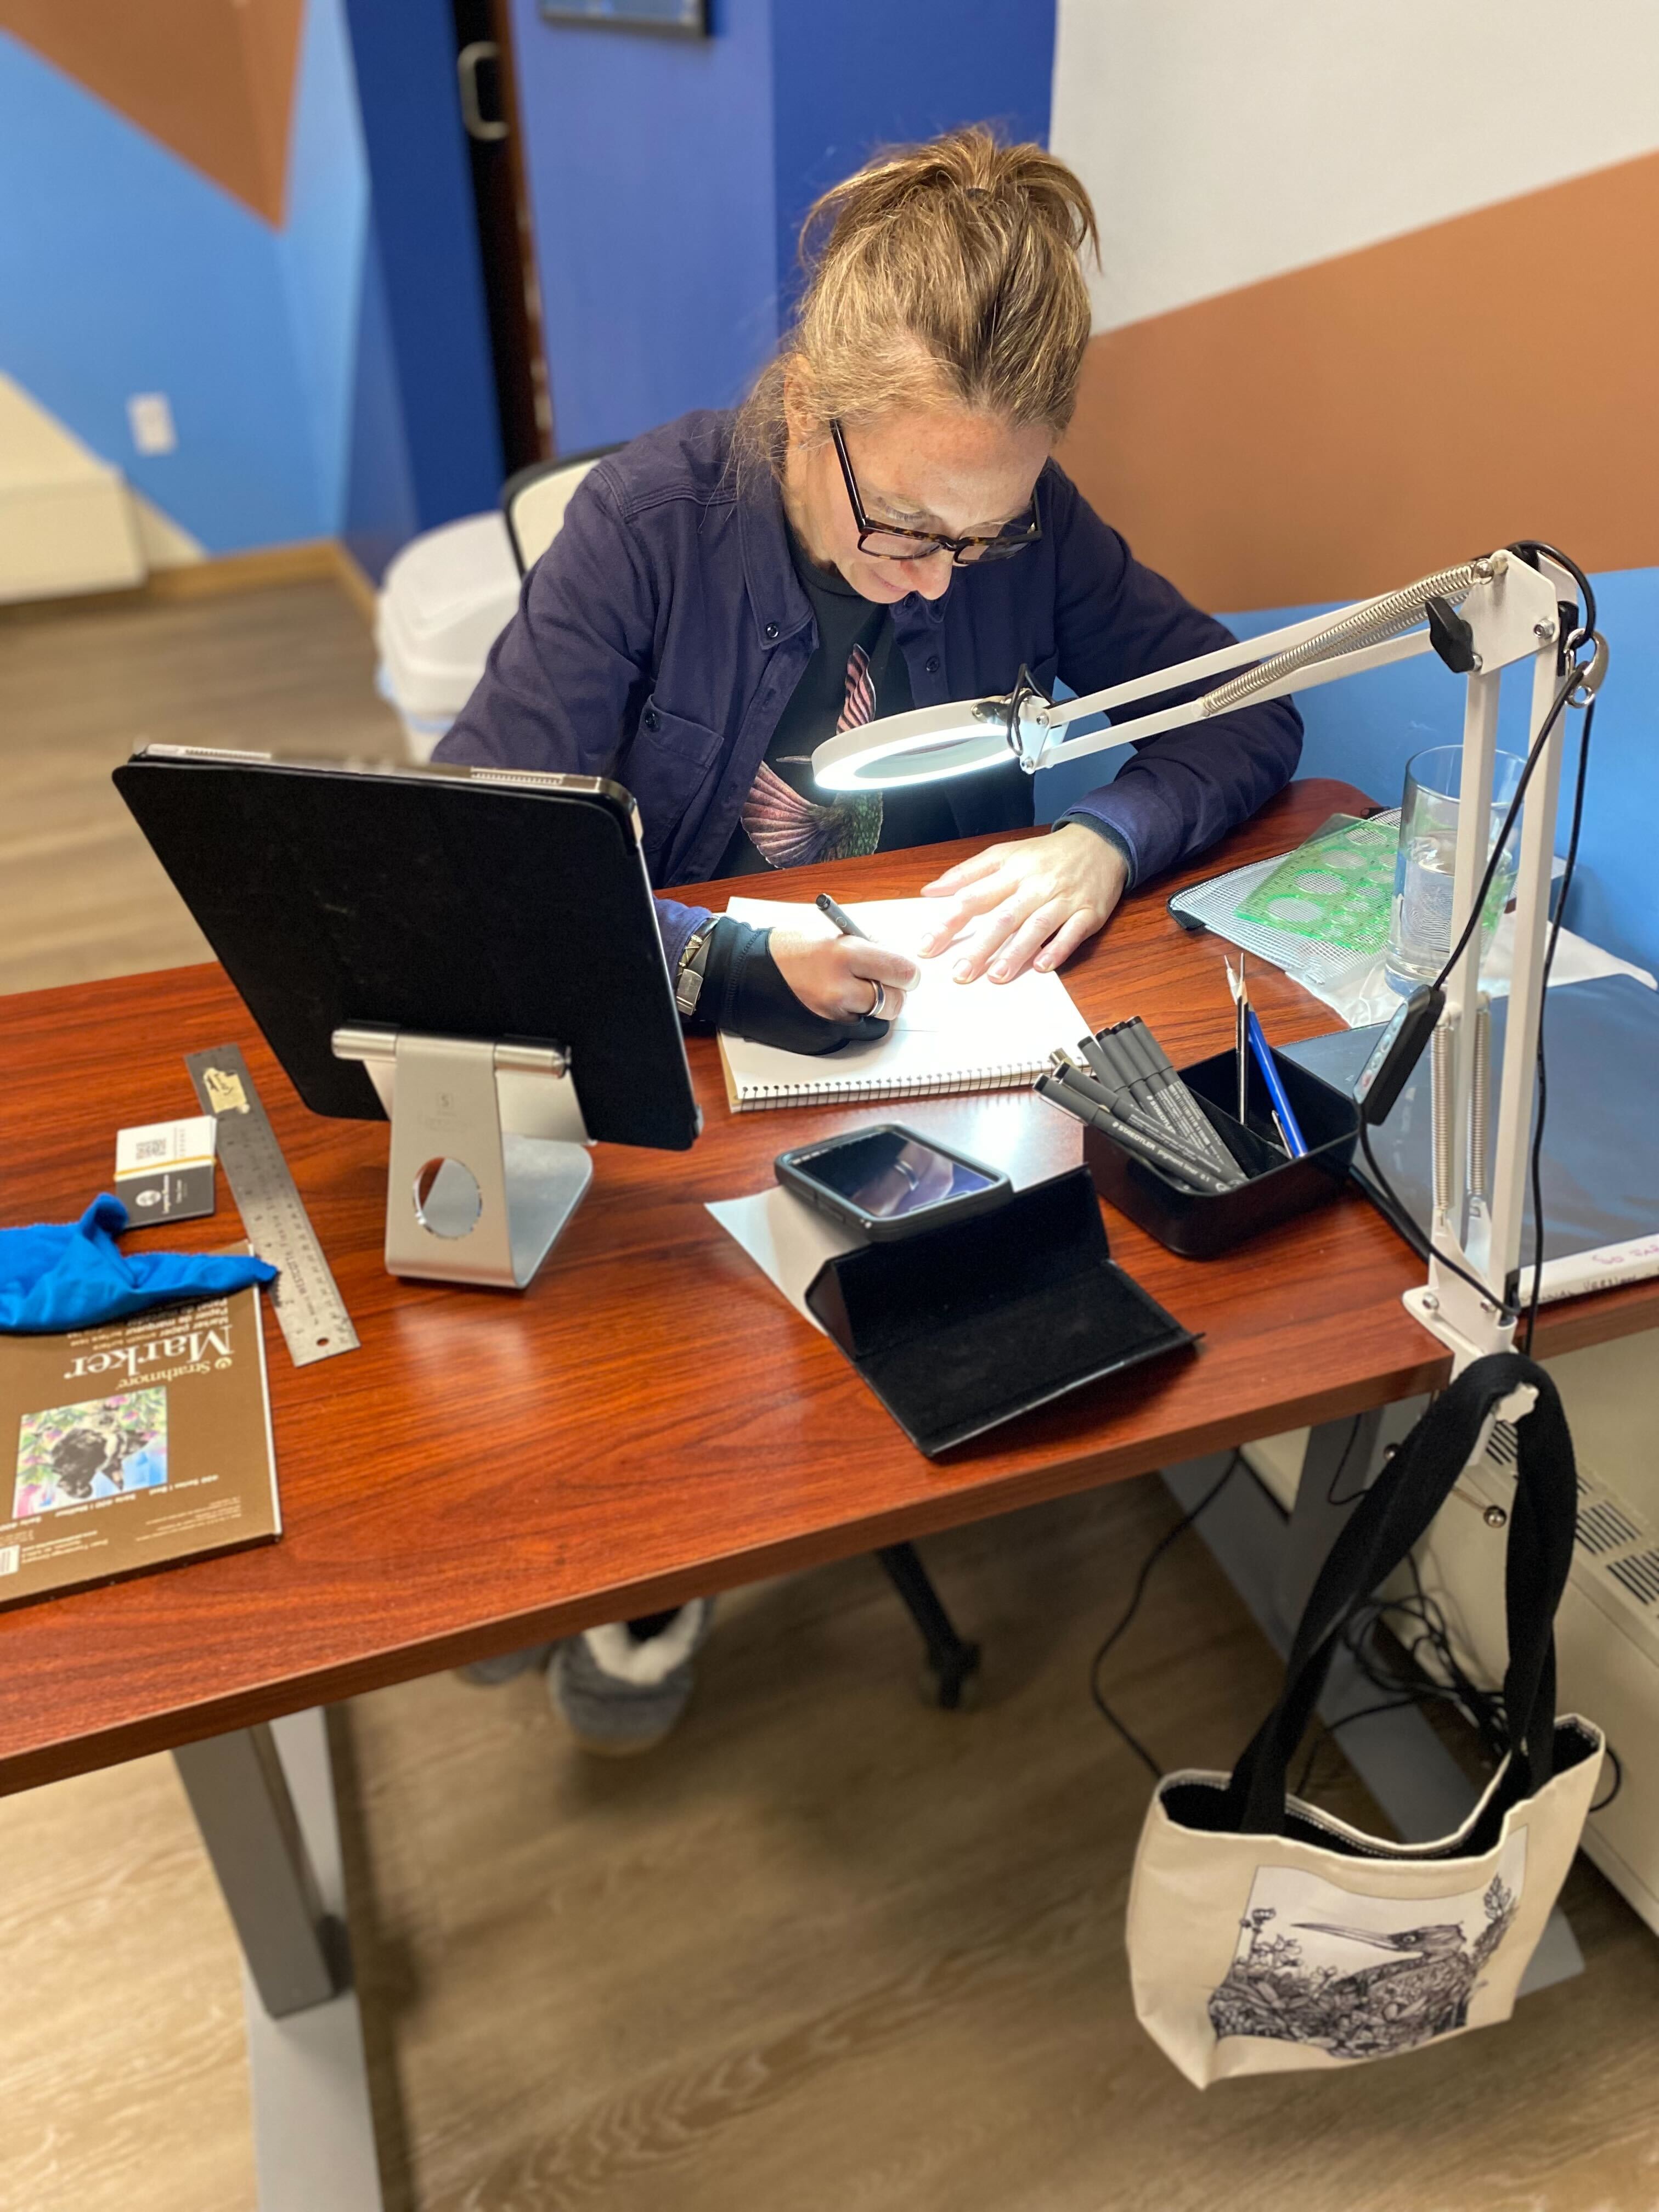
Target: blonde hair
{"x":947,"y":272}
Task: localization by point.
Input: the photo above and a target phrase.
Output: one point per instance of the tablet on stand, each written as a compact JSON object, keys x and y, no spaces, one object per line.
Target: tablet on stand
{"x":470,"y":953}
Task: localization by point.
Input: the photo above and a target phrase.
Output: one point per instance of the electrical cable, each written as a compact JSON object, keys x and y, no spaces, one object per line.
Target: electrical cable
{"x":1537,"y":1162}
{"x":1399,"y":1219}
{"x":1602,"y":1803}
{"x":1481,"y":1707}
{"x":1353,"y":1495}
{"x":1394,"y":1208}
{"x":1134,"y":1607}
{"x":1449,"y":1683}
{"x":1495,"y":861}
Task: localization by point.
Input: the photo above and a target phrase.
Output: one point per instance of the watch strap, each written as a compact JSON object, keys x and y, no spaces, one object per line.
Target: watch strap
{"x":688,"y":975}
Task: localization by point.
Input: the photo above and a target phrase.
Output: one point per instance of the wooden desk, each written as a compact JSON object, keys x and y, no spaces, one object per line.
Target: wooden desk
{"x":649,"y":1420}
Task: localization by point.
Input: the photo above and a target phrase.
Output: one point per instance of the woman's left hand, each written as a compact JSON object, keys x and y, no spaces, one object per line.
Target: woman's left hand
{"x":1034,"y":902}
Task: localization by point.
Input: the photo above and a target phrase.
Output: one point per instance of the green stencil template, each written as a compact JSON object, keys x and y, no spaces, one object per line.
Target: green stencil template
{"x":1336,"y":890}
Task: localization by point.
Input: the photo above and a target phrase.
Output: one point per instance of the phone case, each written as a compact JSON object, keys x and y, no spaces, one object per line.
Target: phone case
{"x":791,"y":1171}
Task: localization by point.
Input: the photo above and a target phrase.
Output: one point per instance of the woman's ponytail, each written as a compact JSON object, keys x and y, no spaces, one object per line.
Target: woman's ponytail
{"x":941,"y":273}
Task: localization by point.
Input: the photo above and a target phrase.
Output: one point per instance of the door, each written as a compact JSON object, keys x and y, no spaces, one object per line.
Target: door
{"x":490,"y":109}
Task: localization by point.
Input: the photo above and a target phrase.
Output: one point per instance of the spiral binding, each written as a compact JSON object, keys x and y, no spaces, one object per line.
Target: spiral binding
{"x":1004,"y":1075}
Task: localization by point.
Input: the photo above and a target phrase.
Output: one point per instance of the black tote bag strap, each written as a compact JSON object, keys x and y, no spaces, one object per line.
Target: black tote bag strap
{"x":1389,"y":1521}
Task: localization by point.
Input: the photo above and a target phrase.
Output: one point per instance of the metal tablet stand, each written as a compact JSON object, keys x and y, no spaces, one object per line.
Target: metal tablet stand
{"x":489,"y":1153}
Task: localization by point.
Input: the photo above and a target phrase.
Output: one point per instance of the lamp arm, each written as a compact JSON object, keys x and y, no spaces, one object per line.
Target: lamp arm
{"x":1366,"y":634}
{"x":1050,"y":751}
{"x":1244,"y":650}
{"x":966,"y":737}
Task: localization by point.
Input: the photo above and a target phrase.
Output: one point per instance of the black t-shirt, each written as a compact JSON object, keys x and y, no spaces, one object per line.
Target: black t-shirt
{"x":856,"y":675}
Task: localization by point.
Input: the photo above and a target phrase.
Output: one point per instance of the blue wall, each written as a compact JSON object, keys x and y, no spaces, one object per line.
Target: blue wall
{"x":1364,"y":730}
{"x":854,"y":75}
{"x":331,"y":373}
{"x":320,"y":248}
{"x":668,"y":179}
{"x":328,"y":374}
{"x":649,"y":167}
{"x":123,"y":269}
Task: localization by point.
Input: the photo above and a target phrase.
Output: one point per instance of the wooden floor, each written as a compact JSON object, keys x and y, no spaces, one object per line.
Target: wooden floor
{"x":827,"y":1950}
{"x":289,"y":670}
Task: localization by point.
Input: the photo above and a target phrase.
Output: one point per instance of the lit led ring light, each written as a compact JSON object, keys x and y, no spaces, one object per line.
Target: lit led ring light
{"x":931,"y":743}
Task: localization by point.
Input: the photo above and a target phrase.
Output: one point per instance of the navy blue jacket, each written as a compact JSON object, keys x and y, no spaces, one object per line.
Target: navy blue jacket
{"x":661,"y":634}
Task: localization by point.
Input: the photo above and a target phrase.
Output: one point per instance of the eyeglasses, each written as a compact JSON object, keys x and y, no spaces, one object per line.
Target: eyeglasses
{"x":888,"y":542}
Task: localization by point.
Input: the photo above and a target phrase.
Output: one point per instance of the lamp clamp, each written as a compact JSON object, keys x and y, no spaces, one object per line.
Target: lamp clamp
{"x":1023,"y":717}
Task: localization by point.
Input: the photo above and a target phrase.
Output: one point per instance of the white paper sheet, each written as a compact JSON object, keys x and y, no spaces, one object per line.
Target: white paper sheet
{"x":788,"y":1242}
{"x":944,"y":1031}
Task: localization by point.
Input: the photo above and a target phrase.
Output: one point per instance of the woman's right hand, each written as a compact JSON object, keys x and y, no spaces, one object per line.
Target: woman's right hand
{"x":835,"y":977}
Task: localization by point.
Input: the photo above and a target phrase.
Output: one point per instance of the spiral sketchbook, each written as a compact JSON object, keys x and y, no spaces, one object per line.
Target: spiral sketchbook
{"x":948,"y":1037}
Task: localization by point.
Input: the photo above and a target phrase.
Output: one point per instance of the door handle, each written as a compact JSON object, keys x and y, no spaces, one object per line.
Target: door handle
{"x":466,"y":69}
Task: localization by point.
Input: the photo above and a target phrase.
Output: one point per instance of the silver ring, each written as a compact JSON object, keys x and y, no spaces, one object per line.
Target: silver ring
{"x":879,"y":1000}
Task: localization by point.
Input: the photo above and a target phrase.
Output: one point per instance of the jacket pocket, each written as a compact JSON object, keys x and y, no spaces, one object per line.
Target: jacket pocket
{"x":674,"y":738}
{"x":665,"y":765}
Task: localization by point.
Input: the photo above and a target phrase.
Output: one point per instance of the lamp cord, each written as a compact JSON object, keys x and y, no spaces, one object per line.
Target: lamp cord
{"x":1394,"y":1208}
{"x":1129,"y":1612}
{"x":1536,"y":1165}
{"x":1481,"y":1707}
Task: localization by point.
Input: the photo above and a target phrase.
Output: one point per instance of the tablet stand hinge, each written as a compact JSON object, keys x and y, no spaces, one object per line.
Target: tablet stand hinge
{"x":488,"y":1155}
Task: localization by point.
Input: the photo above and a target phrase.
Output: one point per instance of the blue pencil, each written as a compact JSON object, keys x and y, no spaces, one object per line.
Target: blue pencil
{"x":1264,"y":1060}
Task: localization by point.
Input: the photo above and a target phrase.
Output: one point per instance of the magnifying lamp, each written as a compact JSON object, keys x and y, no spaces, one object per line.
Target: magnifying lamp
{"x":931,"y":743}
{"x":1480,"y":617}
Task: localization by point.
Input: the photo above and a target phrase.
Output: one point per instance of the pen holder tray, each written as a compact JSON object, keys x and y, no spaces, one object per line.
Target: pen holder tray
{"x":1199,"y":1224}
{"x":965,"y":1325}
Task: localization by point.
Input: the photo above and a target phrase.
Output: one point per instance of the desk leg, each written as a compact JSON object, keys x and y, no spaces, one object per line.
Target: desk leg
{"x":1272,"y":1559}
{"x":952,"y":1665}
{"x":263,"y":1799}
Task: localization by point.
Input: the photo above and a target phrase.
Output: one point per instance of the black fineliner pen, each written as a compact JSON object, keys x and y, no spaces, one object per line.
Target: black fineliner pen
{"x":839,"y":915}
{"x":1132,"y":1135}
{"x":1126,"y":1122}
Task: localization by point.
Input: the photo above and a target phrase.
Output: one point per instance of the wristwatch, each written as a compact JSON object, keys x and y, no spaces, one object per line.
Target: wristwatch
{"x":688,"y":975}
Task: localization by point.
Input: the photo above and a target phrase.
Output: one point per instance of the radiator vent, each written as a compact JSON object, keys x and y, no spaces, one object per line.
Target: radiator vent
{"x":1639,"y":1571}
{"x":1603,"y":1526}
{"x":1616,"y":1549}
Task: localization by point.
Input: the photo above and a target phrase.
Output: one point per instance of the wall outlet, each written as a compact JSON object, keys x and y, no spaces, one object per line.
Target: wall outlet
{"x":150,"y":416}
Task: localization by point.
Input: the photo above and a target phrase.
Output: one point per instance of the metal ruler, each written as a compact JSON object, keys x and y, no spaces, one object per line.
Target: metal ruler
{"x":308,"y":1301}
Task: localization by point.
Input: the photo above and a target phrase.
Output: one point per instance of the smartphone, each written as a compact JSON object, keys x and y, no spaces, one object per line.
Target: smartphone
{"x":887,"y":1182}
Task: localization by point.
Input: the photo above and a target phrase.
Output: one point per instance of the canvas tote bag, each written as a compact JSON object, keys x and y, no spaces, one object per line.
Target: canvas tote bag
{"x":1264,"y":1936}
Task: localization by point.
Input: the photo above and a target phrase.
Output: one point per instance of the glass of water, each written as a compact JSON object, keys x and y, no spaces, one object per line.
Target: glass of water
{"x":1420,"y":921}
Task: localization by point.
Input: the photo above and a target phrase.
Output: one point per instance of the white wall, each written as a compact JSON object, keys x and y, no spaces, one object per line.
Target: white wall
{"x":1225,"y":141}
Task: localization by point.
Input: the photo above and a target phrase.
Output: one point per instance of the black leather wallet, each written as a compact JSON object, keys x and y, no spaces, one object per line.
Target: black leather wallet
{"x":977,"y":1321}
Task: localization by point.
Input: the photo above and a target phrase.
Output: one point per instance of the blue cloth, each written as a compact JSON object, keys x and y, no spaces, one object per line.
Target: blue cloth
{"x":660,"y":637}
{"x":55,"y":1277}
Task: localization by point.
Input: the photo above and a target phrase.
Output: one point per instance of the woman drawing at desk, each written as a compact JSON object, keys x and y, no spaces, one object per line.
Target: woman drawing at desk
{"x":881,"y":526}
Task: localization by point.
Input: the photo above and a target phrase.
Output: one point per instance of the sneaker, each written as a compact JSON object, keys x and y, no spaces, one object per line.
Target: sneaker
{"x":623,"y":1688}
{"x":505,"y":1667}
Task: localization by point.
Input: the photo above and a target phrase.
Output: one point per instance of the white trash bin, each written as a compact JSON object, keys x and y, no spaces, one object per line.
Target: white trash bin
{"x":446,"y":597}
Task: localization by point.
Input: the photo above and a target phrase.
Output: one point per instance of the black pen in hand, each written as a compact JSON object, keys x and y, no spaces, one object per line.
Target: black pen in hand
{"x":839,"y":915}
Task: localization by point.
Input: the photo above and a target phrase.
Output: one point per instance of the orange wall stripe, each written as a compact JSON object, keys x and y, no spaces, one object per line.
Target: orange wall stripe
{"x":1337,"y":430}
{"x":212,"y":79}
